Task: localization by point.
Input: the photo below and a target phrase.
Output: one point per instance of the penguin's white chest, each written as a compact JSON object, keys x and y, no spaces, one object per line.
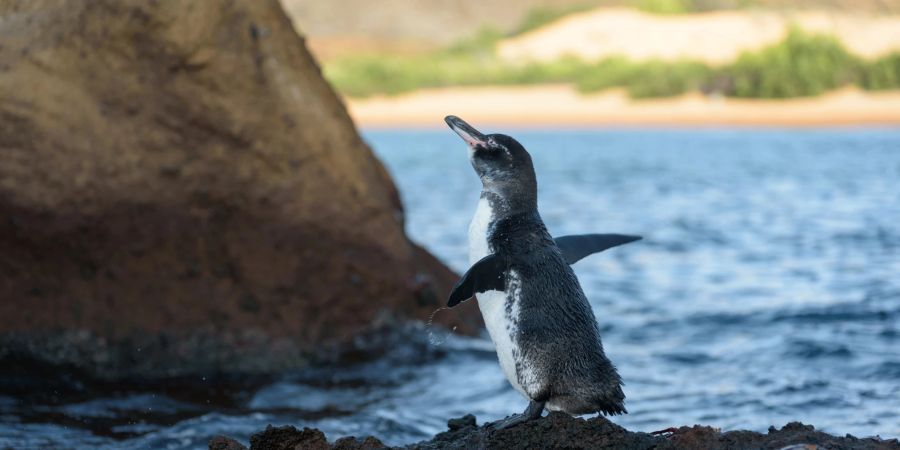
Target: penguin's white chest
{"x":499,"y":315}
{"x":499,"y":310}
{"x":478,"y":230}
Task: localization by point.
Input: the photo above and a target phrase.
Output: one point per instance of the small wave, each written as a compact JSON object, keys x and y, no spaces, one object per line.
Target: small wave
{"x":801,"y":387}
{"x":809,"y":349}
{"x":888,"y":370}
{"x":844,"y":312}
{"x":688,"y":358}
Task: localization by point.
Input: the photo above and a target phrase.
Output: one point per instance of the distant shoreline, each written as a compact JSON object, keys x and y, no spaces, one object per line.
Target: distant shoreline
{"x":562,"y":105}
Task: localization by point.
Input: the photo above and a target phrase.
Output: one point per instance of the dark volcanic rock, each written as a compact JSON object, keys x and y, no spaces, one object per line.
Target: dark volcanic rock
{"x":556,"y":430}
{"x":290,"y":438}
{"x":181,"y":192}
{"x":225,"y":443}
{"x":793,"y":436}
{"x":559,"y":430}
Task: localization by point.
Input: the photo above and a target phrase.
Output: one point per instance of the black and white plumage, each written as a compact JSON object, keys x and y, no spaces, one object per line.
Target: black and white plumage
{"x":543,"y":328}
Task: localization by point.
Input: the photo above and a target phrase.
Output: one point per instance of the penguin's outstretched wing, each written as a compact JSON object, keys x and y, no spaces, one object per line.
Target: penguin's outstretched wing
{"x":577,"y":246}
{"x":488,"y":274}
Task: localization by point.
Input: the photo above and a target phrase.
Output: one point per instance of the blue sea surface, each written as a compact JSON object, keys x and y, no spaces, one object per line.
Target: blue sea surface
{"x":766,"y":290}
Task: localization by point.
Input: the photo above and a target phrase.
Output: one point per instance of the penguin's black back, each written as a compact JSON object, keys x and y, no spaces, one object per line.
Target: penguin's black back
{"x":560,"y":355}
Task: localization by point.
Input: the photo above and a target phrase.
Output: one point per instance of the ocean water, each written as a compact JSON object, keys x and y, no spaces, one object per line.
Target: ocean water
{"x":766,"y":290}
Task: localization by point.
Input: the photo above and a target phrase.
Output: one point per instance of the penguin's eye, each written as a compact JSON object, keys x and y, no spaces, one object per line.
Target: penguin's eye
{"x":488,"y":152}
{"x":500,"y":149}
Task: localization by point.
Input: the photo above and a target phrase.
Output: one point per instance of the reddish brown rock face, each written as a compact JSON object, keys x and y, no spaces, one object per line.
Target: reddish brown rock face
{"x":181,"y":191}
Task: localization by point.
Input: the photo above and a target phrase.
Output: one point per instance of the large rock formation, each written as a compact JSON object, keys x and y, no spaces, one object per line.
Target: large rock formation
{"x":181,"y":191}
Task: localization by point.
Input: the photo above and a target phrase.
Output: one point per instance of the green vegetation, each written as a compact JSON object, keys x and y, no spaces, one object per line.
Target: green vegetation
{"x":665,"y":6}
{"x":541,"y":16}
{"x":802,"y":65}
{"x":881,"y":74}
{"x":642,"y":80}
{"x":690,"y":6}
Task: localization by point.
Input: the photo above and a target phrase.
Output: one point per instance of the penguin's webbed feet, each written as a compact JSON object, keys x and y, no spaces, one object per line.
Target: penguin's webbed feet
{"x":533,"y":411}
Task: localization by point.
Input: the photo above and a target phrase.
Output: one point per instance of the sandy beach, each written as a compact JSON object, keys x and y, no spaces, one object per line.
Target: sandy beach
{"x":562,"y":105}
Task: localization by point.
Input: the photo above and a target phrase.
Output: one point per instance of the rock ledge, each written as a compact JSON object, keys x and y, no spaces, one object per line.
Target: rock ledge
{"x":559,"y":430}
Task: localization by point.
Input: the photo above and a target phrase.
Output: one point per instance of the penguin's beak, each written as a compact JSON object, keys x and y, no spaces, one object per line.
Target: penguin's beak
{"x":472,"y":136}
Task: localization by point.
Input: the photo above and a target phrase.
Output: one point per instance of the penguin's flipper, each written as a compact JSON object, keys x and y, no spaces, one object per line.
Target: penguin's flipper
{"x":488,"y":274}
{"x":577,"y":246}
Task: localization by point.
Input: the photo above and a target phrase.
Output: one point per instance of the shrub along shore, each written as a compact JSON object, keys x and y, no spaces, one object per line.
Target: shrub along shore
{"x":803,"y":64}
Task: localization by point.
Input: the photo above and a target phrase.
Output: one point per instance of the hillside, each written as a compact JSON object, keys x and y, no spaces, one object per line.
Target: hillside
{"x":712,"y":37}
{"x":340,"y":27}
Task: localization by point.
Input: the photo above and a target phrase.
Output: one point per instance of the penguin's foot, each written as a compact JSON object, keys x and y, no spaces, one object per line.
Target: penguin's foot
{"x":533,"y":411}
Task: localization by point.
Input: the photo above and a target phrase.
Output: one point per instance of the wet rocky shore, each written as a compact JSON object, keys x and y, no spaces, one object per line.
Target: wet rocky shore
{"x":559,"y":430}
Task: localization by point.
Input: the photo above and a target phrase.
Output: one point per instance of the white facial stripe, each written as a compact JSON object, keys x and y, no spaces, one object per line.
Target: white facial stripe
{"x":478,"y":230}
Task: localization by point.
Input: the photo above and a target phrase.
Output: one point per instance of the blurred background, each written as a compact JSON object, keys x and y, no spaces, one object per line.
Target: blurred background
{"x":576,"y":62}
{"x":216,"y":216}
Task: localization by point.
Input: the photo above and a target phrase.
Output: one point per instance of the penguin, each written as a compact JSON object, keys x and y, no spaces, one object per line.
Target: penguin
{"x":542,"y":326}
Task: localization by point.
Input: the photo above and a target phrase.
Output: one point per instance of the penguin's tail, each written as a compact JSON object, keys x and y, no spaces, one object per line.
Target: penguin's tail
{"x":612,"y":409}
{"x":611,"y":401}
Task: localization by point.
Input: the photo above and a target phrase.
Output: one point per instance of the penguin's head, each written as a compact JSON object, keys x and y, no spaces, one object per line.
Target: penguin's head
{"x":501,"y":162}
